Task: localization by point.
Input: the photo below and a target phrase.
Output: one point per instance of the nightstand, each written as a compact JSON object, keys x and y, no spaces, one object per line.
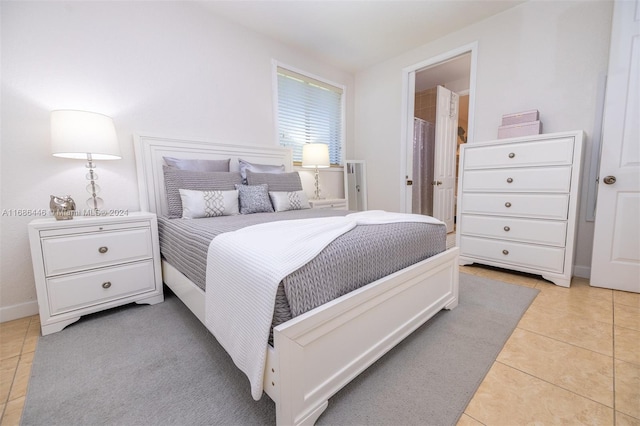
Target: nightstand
{"x":91,"y":263}
{"x":329,"y":203}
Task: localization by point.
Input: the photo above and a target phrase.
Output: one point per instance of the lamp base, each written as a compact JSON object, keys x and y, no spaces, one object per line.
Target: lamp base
{"x":95,"y":203}
{"x":316,"y":194}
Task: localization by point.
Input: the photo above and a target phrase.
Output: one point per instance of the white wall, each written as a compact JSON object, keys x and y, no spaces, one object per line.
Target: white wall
{"x":538,"y":55}
{"x":164,"y":68}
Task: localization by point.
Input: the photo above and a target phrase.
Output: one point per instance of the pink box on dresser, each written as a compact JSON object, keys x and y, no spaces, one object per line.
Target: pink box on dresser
{"x":520,"y":129}
{"x":520,"y":117}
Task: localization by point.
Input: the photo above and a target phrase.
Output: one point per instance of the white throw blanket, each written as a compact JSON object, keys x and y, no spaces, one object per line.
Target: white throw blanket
{"x":245,"y":267}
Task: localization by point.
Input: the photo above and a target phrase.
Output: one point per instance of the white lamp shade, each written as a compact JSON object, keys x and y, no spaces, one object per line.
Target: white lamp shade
{"x":74,"y":134}
{"x":315,"y":155}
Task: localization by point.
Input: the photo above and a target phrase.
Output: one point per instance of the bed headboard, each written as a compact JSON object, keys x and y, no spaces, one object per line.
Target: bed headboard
{"x":149,"y":151}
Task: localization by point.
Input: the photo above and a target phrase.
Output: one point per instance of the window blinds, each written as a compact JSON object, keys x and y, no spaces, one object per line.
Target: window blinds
{"x":309,"y":111}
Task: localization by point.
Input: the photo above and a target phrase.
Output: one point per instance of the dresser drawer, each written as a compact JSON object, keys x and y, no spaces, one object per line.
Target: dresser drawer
{"x":535,"y":153}
{"x":548,"y":232}
{"x":510,"y":253}
{"x":74,"y":291}
{"x":540,"y":206}
{"x":72,"y":253}
{"x":539,"y":179}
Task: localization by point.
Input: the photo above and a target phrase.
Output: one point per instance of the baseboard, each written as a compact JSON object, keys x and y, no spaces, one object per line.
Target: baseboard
{"x":582,"y":271}
{"x":10,"y":313}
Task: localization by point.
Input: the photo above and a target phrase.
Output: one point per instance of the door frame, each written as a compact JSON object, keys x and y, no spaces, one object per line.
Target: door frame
{"x":408,"y":106}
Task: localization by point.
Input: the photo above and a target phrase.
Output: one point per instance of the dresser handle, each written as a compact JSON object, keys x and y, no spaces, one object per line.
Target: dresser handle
{"x":507,"y":229}
{"x":505,"y":252}
{"x":509,"y":180}
{"x":106,"y":284}
{"x":507,"y":204}
{"x":103,"y":249}
{"x":511,"y":155}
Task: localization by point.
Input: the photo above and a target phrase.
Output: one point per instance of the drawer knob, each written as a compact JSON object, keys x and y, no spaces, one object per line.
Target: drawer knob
{"x":505,"y":252}
{"x":507,"y":229}
{"x":103,"y":249}
{"x":512,"y":154}
{"x":509,"y":180}
{"x":106,"y":284}
{"x":507,"y":204}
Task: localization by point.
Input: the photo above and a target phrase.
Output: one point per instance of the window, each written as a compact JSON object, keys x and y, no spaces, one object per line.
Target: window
{"x":309,"y":111}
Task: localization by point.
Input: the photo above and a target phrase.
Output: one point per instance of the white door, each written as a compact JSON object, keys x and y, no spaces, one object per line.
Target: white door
{"x":444,"y":174}
{"x":616,"y":246}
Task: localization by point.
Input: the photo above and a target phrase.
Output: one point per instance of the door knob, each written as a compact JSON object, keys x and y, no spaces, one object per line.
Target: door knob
{"x":609,"y":180}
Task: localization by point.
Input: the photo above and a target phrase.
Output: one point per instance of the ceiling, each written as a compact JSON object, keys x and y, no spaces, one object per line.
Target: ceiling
{"x":355,"y":35}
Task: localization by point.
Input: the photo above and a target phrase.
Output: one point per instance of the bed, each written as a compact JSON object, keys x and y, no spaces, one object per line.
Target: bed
{"x":355,"y":329}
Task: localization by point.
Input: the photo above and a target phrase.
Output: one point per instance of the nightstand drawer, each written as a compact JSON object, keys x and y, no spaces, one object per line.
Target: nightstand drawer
{"x":74,"y":291}
{"x":538,"y":179}
{"x":85,"y":251}
{"x":333,"y":204}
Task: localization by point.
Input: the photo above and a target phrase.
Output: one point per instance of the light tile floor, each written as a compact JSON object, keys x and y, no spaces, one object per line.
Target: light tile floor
{"x":18,"y":340}
{"x":574,"y":358}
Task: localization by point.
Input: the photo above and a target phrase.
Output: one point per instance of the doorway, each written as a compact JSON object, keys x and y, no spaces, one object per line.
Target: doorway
{"x":431,"y":138}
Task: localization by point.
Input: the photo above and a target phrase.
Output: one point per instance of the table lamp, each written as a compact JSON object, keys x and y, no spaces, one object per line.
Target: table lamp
{"x":315,"y":155}
{"x":80,"y":135}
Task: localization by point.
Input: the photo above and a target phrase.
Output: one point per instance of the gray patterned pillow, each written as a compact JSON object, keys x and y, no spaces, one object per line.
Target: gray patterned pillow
{"x":176,"y":179}
{"x":289,"y":182}
{"x":254,"y":199}
{"x":198,"y":165}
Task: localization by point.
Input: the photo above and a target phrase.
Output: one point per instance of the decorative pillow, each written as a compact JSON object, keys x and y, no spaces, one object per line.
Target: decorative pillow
{"x":196,"y":204}
{"x":289,"y":182}
{"x":283,"y":201}
{"x":258,"y":168}
{"x":198,"y":165}
{"x":176,"y":179}
{"x":254,"y":199}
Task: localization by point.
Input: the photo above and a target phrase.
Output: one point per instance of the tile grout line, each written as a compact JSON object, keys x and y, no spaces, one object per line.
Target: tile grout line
{"x":15,"y":372}
{"x":13,"y":377}
{"x":466,"y":414}
{"x":557,"y":386}
{"x":565,"y":342}
{"x":31,"y":322}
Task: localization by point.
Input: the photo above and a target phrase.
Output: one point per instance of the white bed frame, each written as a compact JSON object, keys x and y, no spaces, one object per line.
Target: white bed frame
{"x":355,"y":329}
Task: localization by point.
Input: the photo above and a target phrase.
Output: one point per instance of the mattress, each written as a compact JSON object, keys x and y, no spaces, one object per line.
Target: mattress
{"x":358,"y":257}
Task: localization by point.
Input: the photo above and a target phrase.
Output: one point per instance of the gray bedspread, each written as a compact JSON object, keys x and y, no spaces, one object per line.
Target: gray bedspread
{"x":356,"y":258}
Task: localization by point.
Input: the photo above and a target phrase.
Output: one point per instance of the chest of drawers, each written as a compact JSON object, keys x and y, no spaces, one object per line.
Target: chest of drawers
{"x":518,"y":204}
{"x":88,"y":264}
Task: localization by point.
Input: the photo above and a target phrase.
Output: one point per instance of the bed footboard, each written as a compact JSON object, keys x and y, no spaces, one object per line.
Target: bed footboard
{"x":319,"y":352}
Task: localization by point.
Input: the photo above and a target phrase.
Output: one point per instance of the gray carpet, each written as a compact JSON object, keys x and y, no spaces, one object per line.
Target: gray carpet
{"x":158,"y":365}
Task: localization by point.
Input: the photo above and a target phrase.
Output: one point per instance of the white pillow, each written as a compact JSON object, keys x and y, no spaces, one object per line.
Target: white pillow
{"x":283,"y":200}
{"x":197,"y":204}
